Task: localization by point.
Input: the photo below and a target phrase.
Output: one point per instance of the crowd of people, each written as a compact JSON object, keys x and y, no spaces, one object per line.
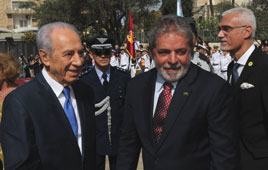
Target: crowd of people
{"x":182,"y":103}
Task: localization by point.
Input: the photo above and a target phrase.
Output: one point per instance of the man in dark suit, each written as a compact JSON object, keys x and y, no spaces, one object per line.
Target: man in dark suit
{"x":248,"y":75}
{"x":178,"y":114}
{"x":48,"y":123}
{"x":109,"y":85}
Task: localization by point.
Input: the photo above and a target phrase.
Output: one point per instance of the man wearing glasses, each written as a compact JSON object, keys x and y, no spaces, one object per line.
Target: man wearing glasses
{"x":109,"y":85}
{"x":248,"y":75}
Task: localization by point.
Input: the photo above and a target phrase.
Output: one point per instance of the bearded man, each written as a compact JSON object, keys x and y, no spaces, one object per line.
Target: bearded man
{"x":181,"y":116}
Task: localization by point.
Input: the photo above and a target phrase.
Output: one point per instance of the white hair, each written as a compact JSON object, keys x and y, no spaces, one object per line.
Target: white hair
{"x":43,"y":38}
{"x":245,"y":15}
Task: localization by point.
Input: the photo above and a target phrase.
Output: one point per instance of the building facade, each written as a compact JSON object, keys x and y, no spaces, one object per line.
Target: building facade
{"x":201,"y":7}
{"x":16,"y":16}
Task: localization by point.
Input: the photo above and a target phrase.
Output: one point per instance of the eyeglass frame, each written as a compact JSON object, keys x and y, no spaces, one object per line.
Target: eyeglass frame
{"x":227,"y":28}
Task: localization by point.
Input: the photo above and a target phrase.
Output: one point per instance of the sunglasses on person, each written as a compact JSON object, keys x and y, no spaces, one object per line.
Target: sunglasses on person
{"x":226,"y":28}
{"x":100,"y":52}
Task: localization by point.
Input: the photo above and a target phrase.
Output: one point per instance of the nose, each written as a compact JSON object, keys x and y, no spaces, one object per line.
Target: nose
{"x":78,"y":60}
{"x":220,"y":34}
{"x":172,"y":59}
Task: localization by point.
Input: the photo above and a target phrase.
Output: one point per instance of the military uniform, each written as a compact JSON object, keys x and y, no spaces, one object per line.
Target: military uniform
{"x":220,"y":64}
{"x":200,"y":62}
{"x":124,"y":61}
{"x":107,"y":135}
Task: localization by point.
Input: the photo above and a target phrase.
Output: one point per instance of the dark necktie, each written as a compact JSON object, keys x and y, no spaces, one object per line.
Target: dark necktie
{"x":235,"y":75}
{"x":161,"y":110}
{"x":69,"y":110}
{"x":105,"y":82}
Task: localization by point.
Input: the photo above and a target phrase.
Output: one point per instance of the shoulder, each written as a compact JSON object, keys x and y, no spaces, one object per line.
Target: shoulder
{"x":86,"y":71}
{"x":120,"y":71}
{"x":204,"y":77}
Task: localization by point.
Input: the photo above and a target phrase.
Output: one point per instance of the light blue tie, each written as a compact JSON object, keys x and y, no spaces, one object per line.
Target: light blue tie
{"x":69,"y":110}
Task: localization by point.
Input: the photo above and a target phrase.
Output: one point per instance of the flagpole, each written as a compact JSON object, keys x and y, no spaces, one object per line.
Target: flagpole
{"x":179,"y":8}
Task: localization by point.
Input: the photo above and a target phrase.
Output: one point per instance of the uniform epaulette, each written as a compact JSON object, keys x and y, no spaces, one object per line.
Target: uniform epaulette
{"x":85,"y":71}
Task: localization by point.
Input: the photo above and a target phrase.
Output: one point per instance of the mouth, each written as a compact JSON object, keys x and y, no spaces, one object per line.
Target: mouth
{"x":172,"y":69}
{"x":74,"y":72}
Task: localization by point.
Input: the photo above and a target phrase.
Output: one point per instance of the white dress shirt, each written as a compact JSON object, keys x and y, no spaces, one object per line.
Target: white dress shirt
{"x":244,"y":58}
{"x":57,"y":89}
{"x":159,"y":87}
{"x":100,"y":73}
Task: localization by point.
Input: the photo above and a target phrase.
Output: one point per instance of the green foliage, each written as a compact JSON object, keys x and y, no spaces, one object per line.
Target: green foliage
{"x":98,"y":15}
{"x":26,"y":4}
{"x":170,"y":7}
{"x":29,"y":37}
{"x":260,"y":9}
{"x":146,"y":20}
{"x":208,"y":24}
{"x":223,"y":6}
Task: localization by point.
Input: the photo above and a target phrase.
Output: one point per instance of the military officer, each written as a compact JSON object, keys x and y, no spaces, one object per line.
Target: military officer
{"x":220,"y":62}
{"x":109,"y":85}
{"x":125,"y":61}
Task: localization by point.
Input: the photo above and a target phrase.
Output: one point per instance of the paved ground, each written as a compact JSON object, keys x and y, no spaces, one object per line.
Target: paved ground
{"x":140,"y":165}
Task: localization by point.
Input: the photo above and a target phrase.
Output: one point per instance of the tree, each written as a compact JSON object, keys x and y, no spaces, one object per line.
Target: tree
{"x":233,"y":3}
{"x":102,"y":15}
{"x":29,"y":37}
{"x":260,"y":9}
{"x":170,"y":7}
{"x":61,"y":10}
{"x":211,"y":8}
{"x":223,"y":6}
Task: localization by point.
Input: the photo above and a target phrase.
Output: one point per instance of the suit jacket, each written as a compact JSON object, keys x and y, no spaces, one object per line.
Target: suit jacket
{"x":252,"y":104}
{"x":200,"y":131}
{"x":116,"y":91}
{"x":36,"y":134}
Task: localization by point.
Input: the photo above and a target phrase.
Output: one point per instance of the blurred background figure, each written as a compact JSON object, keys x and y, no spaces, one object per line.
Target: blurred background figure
{"x":265,"y":48}
{"x":220,"y":62}
{"x":124,"y":59}
{"x":9,"y":72}
{"x":114,"y":59}
{"x":198,"y":58}
{"x":35,"y":65}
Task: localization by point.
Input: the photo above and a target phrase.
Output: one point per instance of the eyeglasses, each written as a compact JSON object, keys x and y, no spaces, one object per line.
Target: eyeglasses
{"x":100,"y":52}
{"x":226,"y":28}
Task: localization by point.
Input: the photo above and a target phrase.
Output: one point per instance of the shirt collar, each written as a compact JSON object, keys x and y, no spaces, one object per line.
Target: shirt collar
{"x":160,"y":81}
{"x":56,"y":87}
{"x":244,"y":58}
{"x":99,"y":73}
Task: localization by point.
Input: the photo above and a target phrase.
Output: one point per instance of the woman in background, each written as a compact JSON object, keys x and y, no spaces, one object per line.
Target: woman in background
{"x":9,"y":72}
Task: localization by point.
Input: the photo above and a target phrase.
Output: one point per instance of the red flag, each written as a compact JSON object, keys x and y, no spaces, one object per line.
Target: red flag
{"x":131,"y":38}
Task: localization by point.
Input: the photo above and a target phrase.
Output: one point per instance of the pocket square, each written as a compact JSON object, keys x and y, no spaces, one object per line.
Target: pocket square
{"x":246,"y":85}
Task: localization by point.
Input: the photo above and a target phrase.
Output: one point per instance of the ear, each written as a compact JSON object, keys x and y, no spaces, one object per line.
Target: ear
{"x":44,"y":57}
{"x":248,"y":31}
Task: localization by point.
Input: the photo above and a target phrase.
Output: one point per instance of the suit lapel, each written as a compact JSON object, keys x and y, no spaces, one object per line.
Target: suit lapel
{"x":54,"y":107}
{"x":147,"y":100}
{"x":82,"y":113}
{"x":180,"y":97}
{"x":248,"y":68}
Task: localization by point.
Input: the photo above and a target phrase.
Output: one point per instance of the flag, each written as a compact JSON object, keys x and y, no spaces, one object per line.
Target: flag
{"x":131,"y":38}
{"x":179,"y":8}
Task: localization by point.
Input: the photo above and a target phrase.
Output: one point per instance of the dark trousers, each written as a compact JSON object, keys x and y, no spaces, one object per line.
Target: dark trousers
{"x":100,"y":162}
